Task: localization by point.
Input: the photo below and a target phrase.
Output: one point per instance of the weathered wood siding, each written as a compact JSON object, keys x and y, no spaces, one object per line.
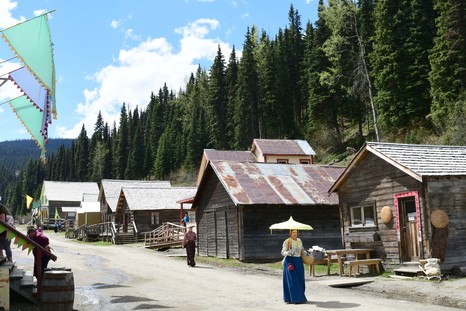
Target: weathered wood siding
{"x":449,"y":194}
{"x":142,"y":218}
{"x":217,"y":222}
{"x":375,"y":181}
{"x":261,"y":244}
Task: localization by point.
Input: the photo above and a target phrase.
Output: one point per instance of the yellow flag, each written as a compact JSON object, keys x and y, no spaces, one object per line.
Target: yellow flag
{"x":57,"y":216}
{"x":28,"y":201}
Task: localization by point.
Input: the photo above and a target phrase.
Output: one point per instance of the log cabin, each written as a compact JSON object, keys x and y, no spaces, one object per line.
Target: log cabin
{"x":408,"y":202}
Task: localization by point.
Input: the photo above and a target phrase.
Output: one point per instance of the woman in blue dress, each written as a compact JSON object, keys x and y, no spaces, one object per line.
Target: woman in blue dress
{"x":293,"y":270}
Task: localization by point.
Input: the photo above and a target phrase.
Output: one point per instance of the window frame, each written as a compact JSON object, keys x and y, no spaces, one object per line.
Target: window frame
{"x":362,"y":208}
{"x":154,"y":218}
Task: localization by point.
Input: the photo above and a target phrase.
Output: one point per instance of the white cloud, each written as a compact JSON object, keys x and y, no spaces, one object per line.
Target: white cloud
{"x":129,"y":34}
{"x":144,"y":69}
{"x":114,"y":24}
{"x":6,"y":19}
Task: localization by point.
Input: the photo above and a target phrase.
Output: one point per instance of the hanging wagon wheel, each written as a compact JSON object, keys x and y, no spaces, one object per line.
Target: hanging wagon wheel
{"x":439,"y":218}
{"x":386,"y":214}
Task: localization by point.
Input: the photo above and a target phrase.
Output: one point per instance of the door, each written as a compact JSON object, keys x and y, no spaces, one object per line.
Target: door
{"x":408,"y":226}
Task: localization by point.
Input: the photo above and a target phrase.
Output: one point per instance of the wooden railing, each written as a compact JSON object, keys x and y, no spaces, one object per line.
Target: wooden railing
{"x":166,"y":234}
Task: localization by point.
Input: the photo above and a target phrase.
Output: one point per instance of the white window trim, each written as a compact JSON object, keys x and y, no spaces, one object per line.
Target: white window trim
{"x":363,"y":217}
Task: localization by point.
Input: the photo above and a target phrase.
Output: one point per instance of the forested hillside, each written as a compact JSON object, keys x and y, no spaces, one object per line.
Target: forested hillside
{"x":365,"y":71}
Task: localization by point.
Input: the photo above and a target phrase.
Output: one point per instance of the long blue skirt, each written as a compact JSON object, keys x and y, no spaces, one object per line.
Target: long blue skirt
{"x":294,"y":285}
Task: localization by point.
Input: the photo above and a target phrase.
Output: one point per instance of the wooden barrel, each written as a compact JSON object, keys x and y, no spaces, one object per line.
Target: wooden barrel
{"x":57,"y":290}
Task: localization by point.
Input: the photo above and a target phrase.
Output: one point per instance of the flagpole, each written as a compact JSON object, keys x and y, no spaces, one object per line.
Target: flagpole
{"x":7,"y":60}
{"x":49,"y":12}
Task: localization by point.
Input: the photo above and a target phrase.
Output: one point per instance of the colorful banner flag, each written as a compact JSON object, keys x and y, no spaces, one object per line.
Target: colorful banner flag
{"x":57,"y":216}
{"x":28,"y":201}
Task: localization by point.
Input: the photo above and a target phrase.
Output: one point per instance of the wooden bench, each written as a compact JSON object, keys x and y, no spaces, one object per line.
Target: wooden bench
{"x":363,"y":262}
{"x":320,"y":262}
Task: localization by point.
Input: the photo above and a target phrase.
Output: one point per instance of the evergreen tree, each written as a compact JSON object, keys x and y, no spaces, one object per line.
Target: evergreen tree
{"x":231,"y":76}
{"x":400,"y":63}
{"x":322,"y":106}
{"x":247,"y":100}
{"x":123,"y":144}
{"x":293,"y":57}
{"x":448,"y":60}
{"x":217,"y":102}
{"x":82,"y":156}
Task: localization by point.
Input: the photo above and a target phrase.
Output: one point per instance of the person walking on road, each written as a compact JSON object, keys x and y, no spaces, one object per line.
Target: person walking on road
{"x":189,"y":242}
{"x":293,"y":270}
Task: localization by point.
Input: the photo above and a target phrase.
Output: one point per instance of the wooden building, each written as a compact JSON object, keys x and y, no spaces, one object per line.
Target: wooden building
{"x":148,"y":208}
{"x":408,"y":202}
{"x":58,"y":194}
{"x":109,"y":193}
{"x":262,"y":151}
{"x":236,"y":202}
{"x":87,"y":214}
{"x":284,"y":151}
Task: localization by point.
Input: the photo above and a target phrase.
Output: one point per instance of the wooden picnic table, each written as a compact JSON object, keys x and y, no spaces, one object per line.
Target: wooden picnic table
{"x":356,"y":252}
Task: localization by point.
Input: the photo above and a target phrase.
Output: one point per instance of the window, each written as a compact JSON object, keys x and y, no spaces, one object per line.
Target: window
{"x":154,"y":218}
{"x":304,"y":161}
{"x":362,"y":216}
{"x":282,"y":161}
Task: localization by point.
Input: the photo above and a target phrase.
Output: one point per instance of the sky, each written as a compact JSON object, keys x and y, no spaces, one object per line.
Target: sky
{"x":110,"y":52}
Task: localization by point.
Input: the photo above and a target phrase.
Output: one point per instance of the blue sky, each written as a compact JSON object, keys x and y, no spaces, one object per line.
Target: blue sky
{"x":108,"y":52}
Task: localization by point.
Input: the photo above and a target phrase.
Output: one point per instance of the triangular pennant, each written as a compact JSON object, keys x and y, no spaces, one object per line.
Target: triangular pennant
{"x":10,"y":235}
{"x":31,"y":118}
{"x":25,"y":245}
{"x":31,"y":42}
{"x":21,"y":241}
{"x":31,"y":87}
{"x":28,"y":201}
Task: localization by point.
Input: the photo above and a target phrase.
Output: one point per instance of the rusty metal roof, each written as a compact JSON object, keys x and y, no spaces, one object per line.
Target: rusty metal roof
{"x":272,"y":183}
{"x":283,"y":147}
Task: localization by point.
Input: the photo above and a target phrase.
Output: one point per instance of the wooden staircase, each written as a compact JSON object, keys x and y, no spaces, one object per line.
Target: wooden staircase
{"x":166,"y":235}
{"x":22,"y":282}
{"x":125,"y":238}
{"x":410,"y":268}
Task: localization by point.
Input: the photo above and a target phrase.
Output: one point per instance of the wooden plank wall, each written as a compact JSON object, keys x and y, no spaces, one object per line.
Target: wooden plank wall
{"x":262,"y":245}
{"x":449,"y":194}
{"x":375,"y":181}
{"x":142,"y":218}
{"x":211,"y":212}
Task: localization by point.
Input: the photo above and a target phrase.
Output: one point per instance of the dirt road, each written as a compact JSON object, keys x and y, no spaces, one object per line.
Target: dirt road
{"x":134,"y":278}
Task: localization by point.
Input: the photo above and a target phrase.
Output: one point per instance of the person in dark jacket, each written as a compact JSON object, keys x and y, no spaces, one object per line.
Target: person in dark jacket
{"x":189,"y":242}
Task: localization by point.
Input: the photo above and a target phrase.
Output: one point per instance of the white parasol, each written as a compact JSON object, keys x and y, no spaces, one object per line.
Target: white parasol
{"x":290,"y":224}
